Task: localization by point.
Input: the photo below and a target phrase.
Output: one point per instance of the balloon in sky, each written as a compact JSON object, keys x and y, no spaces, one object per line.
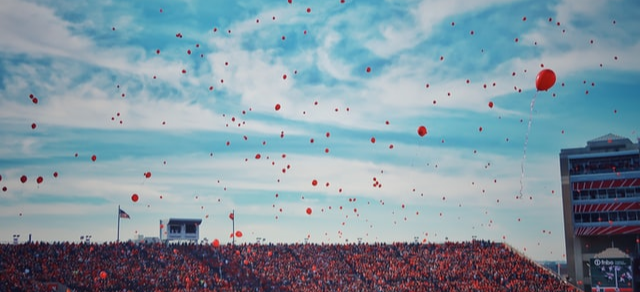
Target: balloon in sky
{"x":309,"y":211}
{"x":216,"y":243}
{"x":93,"y":158}
{"x":134,"y":198}
{"x":231,"y":216}
{"x":422,"y":130}
{"x":23,"y":179}
{"x":546,"y":79}
{"x":39,"y":180}
{"x":238,"y":234}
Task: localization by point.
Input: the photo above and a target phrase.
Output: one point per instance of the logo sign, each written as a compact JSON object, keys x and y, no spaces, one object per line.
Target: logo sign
{"x":612,"y":274}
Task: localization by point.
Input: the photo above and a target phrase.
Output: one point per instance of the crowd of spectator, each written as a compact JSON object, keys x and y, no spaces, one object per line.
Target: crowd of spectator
{"x":469,"y":266}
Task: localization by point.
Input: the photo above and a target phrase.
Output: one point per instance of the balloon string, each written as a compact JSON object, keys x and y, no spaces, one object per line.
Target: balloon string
{"x":526,"y":141}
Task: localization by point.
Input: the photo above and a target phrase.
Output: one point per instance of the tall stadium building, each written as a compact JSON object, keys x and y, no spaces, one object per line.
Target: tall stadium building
{"x":601,"y":208}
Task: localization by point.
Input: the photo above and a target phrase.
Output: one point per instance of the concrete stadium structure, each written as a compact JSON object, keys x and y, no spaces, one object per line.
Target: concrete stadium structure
{"x":601,"y":204}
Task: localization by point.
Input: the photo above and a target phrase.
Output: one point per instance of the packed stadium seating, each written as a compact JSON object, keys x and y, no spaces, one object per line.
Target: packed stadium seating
{"x":469,"y":266}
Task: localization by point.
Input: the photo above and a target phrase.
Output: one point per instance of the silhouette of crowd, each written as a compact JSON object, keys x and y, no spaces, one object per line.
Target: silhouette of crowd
{"x":469,"y":266}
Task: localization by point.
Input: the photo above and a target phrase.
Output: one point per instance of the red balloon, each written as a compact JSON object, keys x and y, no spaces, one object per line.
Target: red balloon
{"x":33,"y":126}
{"x":309,"y":211}
{"x":103,"y":275}
{"x":215,"y":243}
{"x":23,"y":179}
{"x":238,"y":234}
{"x":93,"y":158}
{"x":35,"y":100}
{"x":314,"y":182}
{"x":373,"y":140}
{"x":277,"y":106}
{"x":546,"y":79}
{"x":231,"y":216}
{"x":422,"y":130}
{"x":0,"y":177}
{"x":134,"y":198}
{"x":491,"y":104}
{"x":55,"y":174}
{"x":39,"y":180}
{"x":147,"y":174}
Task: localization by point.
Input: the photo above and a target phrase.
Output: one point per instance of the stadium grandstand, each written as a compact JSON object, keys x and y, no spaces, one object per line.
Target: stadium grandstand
{"x":134,"y":266}
{"x":601,"y":206}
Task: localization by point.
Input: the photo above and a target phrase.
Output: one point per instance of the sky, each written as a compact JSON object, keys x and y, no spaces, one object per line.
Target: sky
{"x":241,"y":105}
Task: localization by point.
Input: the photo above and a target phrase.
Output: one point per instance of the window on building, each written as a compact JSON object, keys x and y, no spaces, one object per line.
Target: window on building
{"x":191,"y":229}
{"x":174,"y":229}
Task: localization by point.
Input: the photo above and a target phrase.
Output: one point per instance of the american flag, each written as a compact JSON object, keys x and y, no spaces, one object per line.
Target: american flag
{"x":124,"y":214}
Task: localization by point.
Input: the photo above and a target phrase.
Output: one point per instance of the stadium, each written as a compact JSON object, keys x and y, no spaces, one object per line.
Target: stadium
{"x":378,"y":145}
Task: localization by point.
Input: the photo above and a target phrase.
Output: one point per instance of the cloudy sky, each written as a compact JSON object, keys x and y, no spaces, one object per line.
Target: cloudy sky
{"x":241,"y":105}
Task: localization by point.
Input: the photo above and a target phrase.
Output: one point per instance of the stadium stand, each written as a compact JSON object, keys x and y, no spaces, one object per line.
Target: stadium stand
{"x":468,"y":266}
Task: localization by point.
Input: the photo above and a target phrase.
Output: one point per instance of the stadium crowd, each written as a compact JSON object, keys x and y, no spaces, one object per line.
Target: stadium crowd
{"x":469,"y":266}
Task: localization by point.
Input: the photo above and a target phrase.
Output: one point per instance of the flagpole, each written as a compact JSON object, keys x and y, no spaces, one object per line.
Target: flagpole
{"x":118,"y":238}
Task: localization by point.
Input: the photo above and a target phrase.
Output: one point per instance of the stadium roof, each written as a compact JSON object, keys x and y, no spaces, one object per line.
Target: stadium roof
{"x":184,"y":221}
{"x":608,"y":137}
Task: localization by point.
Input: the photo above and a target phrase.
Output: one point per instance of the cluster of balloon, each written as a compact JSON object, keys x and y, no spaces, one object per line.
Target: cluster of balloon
{"x":545,"y":79}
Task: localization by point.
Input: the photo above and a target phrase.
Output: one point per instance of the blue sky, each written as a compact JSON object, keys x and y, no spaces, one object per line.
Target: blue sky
{"x":103,"y":89}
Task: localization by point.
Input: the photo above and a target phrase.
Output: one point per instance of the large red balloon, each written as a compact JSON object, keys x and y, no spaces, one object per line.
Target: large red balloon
{"x":545,"y":79}
{"x":39,"y":180}
{"x":309,"y":211}
{"x":238,"y":234}
{"x":23,"y":179}
{"x":216,"y":243}
{"x":422,"y":130}
{"x":93,"y":158}
{"x":134,"y":198}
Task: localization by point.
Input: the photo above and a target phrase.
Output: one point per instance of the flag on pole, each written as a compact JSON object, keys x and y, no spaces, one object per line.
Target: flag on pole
{"x":124,"y":214}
